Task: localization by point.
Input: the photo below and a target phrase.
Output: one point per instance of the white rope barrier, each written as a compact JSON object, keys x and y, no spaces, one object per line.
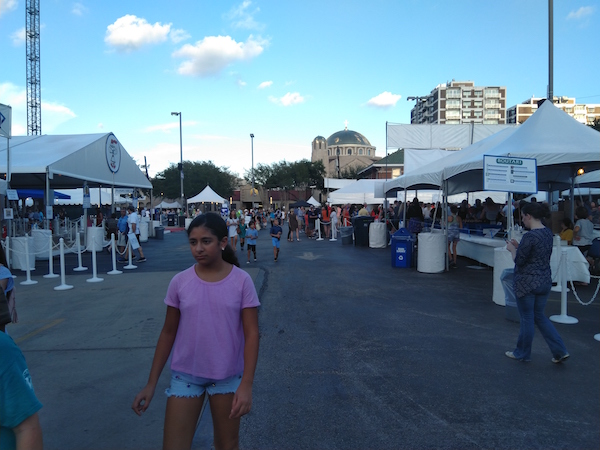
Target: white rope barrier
{"x":129,"y":266}
{"x":113,"y":252}
{"x":51,"y":273}
{"x":318,"y":226}
{"x":79,"y":268}
{"x":563,"y":317}
{"x":63,"y":286}
{"x":95,"y":278}
{"x":28,"y":281}
{"x":592,"y":277}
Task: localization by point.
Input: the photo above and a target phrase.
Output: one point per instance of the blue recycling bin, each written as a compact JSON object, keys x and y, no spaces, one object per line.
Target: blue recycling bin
{"x":402,"y":247}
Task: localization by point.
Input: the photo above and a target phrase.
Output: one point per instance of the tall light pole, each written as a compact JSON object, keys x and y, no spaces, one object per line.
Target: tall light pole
{"x":252,"y":147}
{"x":180,"y":161}
{"x":418,"y":105}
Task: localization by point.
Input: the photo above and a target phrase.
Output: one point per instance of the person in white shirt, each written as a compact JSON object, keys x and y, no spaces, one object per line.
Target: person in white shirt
{"x":133,"y":220}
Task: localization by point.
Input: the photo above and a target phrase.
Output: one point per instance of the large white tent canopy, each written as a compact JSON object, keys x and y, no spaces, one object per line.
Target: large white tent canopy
{"x":69,"y":160}
{"x":431,"y":136}
{"x":168,"y":205}
{"x":359,"y":192}
{"x":96,"y":195}
{"x":558,"y":142}
{"x":206,"y":196}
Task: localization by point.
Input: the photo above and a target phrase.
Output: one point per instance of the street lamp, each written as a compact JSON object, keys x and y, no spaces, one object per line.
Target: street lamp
{"x":180,"y":161}
{"x":418,"y":99}
{"x":252,"y":146}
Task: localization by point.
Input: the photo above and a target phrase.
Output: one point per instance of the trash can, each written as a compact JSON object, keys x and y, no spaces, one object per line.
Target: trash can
{"x":159,"y":233}
{"x":402,"y":247}
{"x":361,"y":230}
{"x":431,"y":257}
{"x":144,"y":230}
{"x":182,"y":221}
{"x":346,"y":234}
{"x":171,"y":220}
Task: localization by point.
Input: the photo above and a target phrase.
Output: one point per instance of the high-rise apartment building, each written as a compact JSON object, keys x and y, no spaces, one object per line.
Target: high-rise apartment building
{"x":584,"y":113}
{"x":461,"y":102}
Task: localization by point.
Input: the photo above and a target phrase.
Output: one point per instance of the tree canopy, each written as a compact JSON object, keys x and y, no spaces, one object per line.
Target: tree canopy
{"x":196,"y":176}
{"x":288,"y":175}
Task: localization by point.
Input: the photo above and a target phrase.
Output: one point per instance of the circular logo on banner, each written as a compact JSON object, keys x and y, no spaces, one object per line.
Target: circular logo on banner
{"x":113,"y":153}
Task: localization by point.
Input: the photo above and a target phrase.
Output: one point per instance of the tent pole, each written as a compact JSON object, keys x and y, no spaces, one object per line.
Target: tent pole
{"x":47,"y":202}
{"x":445,"y":219}
{"x":509,"y":216}
{"x":572,"y":195}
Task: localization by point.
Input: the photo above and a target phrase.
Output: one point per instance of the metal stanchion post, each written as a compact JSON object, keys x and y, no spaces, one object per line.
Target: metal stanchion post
{"x":63,"y":286}
{"x":51,"y":273}
{"x":114,"y":270}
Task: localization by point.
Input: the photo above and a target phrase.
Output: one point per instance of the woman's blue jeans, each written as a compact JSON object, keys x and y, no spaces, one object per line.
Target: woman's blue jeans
{"x":531,"y":309}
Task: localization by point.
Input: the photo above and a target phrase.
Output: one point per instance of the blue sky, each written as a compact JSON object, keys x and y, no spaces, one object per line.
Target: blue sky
{"x":286,"y":71}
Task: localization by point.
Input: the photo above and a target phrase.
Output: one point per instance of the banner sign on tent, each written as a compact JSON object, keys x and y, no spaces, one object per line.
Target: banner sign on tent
{"x":509,"y":174}
{"x":113,"y":153}
{"x":5,"y":120}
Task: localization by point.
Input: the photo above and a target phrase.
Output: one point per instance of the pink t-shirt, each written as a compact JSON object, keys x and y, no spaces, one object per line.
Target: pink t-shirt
{"x":210,"y":337}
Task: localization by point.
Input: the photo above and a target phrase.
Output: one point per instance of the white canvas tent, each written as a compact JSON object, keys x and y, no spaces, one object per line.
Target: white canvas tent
{"x":206,"y":196}
{"x":431,"y":176}
{"x":359,"y":192}
{"x":560,"y":144}
{"x":313,"y":201}
{"x":69,"y":160}
{"x":168,"y":205}
{"x":77,"y":197}
{"x":430,"y":136}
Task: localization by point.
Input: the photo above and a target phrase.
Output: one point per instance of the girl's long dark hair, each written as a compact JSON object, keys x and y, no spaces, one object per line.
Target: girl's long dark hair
{"x":538,"y":211}
{"x":218,"y":227}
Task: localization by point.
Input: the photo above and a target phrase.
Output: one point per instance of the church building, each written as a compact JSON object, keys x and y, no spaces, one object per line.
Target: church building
{"x":343,"y":151}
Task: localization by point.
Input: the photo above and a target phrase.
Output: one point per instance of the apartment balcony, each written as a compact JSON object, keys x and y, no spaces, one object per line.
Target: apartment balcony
{"x":453,"y":95}
{"x":452,"y":105}
{"x":491,"y":116}
{"x":493,"y":105}
{"x":452,"y":116}
{"x":492,"y":95}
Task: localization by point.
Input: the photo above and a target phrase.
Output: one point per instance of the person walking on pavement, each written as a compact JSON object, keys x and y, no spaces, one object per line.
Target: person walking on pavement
{"x":232,"y":225}
{"x":532,"y":283}
{"x":251,"y":237}
{"x":133,"y":221}
{"x":275,"y":233}
{"x":211,"y":326}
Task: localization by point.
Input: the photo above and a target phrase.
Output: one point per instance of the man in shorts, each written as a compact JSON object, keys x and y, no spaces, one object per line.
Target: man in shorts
{"x":133,"y":220}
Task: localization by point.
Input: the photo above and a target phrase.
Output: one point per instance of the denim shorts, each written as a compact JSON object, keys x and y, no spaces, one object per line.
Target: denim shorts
{"x":275,"y":242}
{"x":184,"y":385}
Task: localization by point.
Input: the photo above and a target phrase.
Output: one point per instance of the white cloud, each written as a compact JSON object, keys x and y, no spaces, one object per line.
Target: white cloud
{"x":53,"y":114}
{"x":101,"y":126}
{"x":177,"y":36}
{"x":18,"y":37}
{"x":291,"y":98}
{"x":241,"y":83}
{"x":581,"y":13}
{"x":7,"y":5}
{"x":79,"y":9}
{"x":131,"y":32}
{"x":384,"y":100}
{"x":241,"y":16}
{"x":265,"y":84}
{"x":213,"y":53}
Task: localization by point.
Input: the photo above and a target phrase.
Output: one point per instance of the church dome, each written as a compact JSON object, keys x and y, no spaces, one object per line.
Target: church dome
{"x":319,"y":139}
{"x":347,"y":137}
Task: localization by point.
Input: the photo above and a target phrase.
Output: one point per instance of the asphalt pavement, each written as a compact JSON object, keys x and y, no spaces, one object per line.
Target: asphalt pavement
{"x":354,"y":354}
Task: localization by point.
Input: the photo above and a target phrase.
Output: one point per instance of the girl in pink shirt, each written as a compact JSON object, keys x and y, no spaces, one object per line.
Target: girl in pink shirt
{"x":212,"y":329}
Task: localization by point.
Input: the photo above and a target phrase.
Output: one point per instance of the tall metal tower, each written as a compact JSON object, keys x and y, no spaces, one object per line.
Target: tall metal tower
{"x":32,"y":44}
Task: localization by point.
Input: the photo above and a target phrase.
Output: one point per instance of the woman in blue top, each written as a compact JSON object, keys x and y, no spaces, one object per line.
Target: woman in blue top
{"x":532,"y":283}
{"x":6,"y":278}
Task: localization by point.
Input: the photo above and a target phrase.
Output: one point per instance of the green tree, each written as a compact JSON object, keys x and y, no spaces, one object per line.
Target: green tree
{"x":196,"y":176}
{"x":352,"y":172}
{"x":285,"y":175}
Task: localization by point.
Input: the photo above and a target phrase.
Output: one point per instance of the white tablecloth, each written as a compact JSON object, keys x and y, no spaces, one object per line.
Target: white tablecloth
{"x":479,"y":248}
{"x":18,"y":255}
{"x":578,"y":268}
